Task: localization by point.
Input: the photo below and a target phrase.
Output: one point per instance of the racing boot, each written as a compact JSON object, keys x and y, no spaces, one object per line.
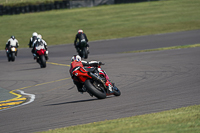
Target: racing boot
{"x":16,"y":53}
{"x":78,"y":50}
{"x":46,"y":57}
{"x":81,"y":90}
{"x":34,"y":56}
{"x":88,"y":50}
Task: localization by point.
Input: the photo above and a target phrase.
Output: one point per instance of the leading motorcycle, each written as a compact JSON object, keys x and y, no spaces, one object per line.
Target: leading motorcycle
{"x":95,"y":81}
{"x":11,"y":52}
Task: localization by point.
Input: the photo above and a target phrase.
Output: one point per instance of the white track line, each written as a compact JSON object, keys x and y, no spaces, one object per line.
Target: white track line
{"x":32,"y":98}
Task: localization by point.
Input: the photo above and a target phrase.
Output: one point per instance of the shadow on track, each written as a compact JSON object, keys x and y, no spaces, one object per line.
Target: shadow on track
{"x":78,"y":101}
{"x":29,"y":69}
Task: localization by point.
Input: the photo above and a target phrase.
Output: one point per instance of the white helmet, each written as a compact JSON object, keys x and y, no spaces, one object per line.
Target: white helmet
{"x":76,"y":58}
{"x":35,"y":34}
{"x":39,"y":36}
{"x":80,"y":31}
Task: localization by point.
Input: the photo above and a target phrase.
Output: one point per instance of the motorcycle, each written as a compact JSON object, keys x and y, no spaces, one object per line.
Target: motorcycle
{"x":95,"y":81}
{"x":41,"y":55}
{"x":83,"y":50}
{"x":11,"y":52}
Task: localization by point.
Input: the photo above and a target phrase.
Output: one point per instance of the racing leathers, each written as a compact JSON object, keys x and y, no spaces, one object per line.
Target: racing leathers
{"x":37,"y":43}
{"x":32,"y":39}
{"x":12,"y":42}
{"x":82,"y":39}
{"x":74,"y":65}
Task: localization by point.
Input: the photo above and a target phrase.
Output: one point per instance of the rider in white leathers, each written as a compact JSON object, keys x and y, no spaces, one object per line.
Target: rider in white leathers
{"x":12,"y":42}
{"x":35,"y":44}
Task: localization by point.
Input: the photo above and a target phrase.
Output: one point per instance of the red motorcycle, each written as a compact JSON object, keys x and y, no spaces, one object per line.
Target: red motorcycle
{"x":41,"y":54}
{"x":96,"y":82}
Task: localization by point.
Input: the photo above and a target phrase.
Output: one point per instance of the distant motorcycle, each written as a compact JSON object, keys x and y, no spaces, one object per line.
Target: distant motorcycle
{"x":41,"y":55}
{"x":11,"y":51}
{"x":83,"y":50}
{"x":96,"y":82}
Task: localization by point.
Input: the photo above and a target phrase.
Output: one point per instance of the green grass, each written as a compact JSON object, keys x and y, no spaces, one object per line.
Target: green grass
{"x":103,"y":22}
{"x":165,"y":48}
{"x":182,"y":120}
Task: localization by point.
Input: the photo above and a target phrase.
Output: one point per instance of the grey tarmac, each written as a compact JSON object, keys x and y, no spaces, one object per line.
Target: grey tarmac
{"x":149,"y":82}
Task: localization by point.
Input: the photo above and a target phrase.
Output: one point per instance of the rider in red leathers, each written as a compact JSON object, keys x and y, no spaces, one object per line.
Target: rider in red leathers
{"x":77,"y":63}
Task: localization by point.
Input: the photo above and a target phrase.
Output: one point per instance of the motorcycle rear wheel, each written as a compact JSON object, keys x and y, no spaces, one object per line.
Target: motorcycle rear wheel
{"x":85,"y":53}
{"x":97,"y":92}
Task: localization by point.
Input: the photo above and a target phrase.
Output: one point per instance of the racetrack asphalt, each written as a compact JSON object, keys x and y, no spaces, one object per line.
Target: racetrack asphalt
{"x":149,"y":82}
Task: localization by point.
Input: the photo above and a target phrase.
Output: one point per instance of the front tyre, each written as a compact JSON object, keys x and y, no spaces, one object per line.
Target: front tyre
{"x":94,"y":88}
{"x":42,"y":61}
{"x":116,"y":91}
{"x":13,"y":56}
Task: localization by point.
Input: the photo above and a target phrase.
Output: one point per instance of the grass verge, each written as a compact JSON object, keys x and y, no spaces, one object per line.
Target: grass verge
{"x":182,"y":120}
{"x":165,"y":48}
{"x":103,"y":22}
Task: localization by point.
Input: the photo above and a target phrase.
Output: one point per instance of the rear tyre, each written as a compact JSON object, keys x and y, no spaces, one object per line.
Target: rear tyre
{"x":80,"y":53}
{"x":96,"y":89}
{"x":42,"y":61}
{"x":85,"y":53}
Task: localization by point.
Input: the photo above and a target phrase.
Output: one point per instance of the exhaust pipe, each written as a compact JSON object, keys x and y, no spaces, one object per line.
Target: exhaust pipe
{"x":95,"y":77}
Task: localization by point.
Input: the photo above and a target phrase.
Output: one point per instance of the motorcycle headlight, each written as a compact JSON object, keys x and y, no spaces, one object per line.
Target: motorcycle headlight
{"x":13,"y":49}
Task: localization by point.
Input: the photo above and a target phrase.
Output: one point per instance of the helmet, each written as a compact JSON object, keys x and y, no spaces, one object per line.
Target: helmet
{"x":13,"y":37}
{"x":39,"y":36}
{"x":76,"y":58}
{"x":34,"y":34}
{"x":80,"y":31}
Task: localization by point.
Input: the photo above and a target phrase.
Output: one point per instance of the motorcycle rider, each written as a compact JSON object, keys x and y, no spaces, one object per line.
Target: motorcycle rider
{"x":82,"y":39}
{"x":36,"y":43}
{"x":32,"y":39}
{"x":75,"y":63}
{"x":12,"y":41}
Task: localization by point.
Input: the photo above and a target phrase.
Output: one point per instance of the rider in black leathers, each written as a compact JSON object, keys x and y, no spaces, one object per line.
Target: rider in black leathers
{"x":32,"y":39}
{"x":82,"y":39}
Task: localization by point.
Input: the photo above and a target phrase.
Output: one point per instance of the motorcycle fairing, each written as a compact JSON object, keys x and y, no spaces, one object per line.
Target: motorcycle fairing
{"x":41,"y":52}
{"x":81,"y":73}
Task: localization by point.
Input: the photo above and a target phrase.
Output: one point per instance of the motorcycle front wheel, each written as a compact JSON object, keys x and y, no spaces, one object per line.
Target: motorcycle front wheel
{"x":13,"y":56}
{"x":42,"y":61}
{"x":116,"y":91}
{"x":95,"y":88}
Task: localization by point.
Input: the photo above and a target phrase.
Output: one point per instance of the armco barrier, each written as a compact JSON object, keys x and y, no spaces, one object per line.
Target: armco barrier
{"x":61,"y":5}
{"x":7,"y":10}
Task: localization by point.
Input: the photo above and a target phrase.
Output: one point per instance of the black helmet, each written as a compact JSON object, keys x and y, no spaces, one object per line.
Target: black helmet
{"x":13,"y":37}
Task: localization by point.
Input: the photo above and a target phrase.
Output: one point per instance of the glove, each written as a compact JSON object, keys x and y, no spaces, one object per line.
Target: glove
{"x":101,"y":63}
